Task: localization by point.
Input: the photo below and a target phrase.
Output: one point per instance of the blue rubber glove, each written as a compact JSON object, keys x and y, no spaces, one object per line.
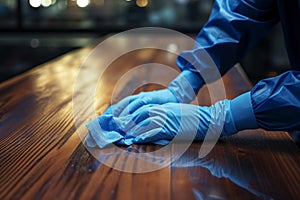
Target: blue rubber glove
{"x":183,"y":89}
{"x":164,"y":122}
{"x":159,"y":124}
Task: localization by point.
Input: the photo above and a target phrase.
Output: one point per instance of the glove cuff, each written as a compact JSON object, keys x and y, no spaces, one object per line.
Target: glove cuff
{"x":186,"y":86}
{"x":242,"y":112}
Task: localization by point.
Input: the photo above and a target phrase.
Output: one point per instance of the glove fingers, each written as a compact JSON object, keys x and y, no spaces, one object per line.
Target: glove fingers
{"x":150,"y":130}
{"x":122,"y":105}
{"x":151,"y":135}
{"x":124,"y":123}
{"x":141,"y":128}
{"x":134,"y":106}
{"x":128,"y":122}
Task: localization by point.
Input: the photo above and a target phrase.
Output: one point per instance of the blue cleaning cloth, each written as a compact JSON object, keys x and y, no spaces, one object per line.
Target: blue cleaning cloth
{"x":104,"y":130}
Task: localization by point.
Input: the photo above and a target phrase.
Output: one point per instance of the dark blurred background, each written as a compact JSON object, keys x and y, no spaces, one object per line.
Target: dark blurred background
{"x":35,"y":31}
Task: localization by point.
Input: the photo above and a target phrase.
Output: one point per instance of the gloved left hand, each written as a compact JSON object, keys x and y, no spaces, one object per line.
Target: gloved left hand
{"x":183,"y":89}
{"x":161,"y":123}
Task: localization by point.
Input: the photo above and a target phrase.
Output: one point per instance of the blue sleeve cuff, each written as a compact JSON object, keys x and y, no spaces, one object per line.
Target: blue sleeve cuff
{"x":242,"y":112}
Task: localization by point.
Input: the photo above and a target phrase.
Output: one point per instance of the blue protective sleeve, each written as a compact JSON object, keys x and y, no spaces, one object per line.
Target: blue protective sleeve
{"x":234,"y":26}
{"x":276,"y":102}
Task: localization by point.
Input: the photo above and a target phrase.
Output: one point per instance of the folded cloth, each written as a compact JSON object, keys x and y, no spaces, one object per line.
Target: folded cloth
{"x":104,"y":131}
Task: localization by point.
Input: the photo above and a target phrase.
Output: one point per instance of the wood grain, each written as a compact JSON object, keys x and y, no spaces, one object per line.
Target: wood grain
{"x":42,"y":156}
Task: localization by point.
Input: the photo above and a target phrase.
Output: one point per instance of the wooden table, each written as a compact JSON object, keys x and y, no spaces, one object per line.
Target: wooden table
{"x":42,"y":156}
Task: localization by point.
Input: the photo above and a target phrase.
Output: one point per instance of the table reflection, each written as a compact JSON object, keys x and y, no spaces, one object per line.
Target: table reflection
{"x":241,"y":163}
{"x":234,"y":159}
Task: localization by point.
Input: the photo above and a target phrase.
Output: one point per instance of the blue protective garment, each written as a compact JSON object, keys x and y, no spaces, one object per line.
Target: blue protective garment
{"x":276,"y":102}
{"x":159,"y":124}
{"x":234,"y":27}
{"x":182,"y":89}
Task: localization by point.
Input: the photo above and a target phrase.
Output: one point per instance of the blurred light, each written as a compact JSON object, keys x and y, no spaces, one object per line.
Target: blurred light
{"x":53,"y":2}
{"x":10,"y":4}
{"x":34,"y":43}
{"x":99,"y":2}
{"x":46,"y":3}
{"x":142,"y":3}
{"x":35,"y":3}
{"x":182,"y":1}
{"x":172,"y":48}
{"x":128,"y":0}
{"x":61,"y":5}
{"x":83,"y":3}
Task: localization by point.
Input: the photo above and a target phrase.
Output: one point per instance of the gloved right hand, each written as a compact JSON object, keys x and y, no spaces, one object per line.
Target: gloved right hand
{"x":159,"y":124}
{"x":183,"y":89}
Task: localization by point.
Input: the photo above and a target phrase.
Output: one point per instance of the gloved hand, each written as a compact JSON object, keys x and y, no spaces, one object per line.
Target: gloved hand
{"x":161,"y":123}
{"x":182,"y":89}
{"x":151,"y":123}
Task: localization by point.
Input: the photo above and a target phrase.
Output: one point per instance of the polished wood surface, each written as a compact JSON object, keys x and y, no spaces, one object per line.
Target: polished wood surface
{"x":42,"y":156}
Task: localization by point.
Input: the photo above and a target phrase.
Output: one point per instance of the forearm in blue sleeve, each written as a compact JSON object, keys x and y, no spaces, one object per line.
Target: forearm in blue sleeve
{"x":276,"y":102}
{"x":234,"y":27}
